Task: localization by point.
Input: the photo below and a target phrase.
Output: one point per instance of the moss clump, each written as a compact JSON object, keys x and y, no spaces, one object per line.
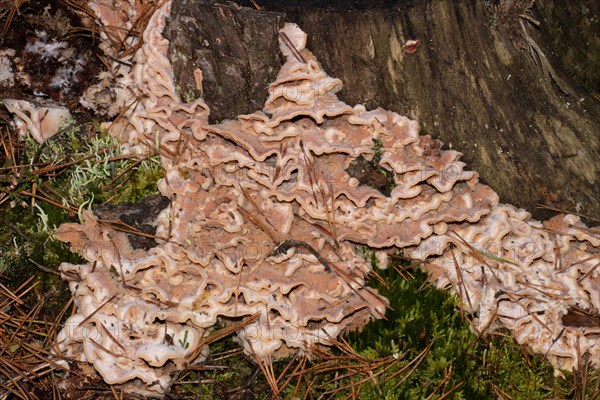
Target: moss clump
{"x":226,"y":375}
{"x":48,"y":185}
{"x":140,"y":183}
{"x":96,"y":171}
{"x":422,"y":316}
{"x":26,"y":250}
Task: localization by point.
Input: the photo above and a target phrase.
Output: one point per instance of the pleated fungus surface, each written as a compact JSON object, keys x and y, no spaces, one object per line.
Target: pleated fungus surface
{"x":266,"y":216}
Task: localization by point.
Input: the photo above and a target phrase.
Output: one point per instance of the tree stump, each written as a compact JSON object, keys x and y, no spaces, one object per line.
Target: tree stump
{"x":513,"y":97}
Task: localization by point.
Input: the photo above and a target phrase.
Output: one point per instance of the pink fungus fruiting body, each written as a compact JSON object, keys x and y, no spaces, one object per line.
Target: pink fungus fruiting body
{"x":266,"y":216}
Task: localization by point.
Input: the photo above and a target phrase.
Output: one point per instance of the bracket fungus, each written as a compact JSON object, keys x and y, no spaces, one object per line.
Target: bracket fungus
{"x":265,"y":219}
{"x":41,"y":122}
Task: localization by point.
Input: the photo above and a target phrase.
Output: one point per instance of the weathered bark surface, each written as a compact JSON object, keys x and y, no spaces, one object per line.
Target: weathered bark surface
{"x":467,"y":83}
{"x":572,"y":33}
{"x":235,"y":48}
{"x":141,"y":216}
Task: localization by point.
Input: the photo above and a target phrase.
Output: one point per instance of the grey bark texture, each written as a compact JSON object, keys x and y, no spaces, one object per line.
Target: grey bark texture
{"x":519,"y":100}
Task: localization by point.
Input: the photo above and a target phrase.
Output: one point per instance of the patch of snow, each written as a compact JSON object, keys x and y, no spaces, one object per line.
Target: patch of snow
{"x":65,"y":76}
{"x":46,"y":50}
{"x":7,"y":77}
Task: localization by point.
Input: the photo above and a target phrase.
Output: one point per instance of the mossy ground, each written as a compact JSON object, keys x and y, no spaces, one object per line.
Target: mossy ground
{"x":84,"y":167}
{"x":423,"y":350}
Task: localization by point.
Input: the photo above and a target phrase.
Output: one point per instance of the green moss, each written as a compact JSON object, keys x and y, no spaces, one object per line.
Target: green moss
{"x":423,"y":316}
{"x":140,"y":183}
{"x":24,"y":248}
{"x":229,"y":375}
{"x":388,"y":175}
{"x":378,"y":149}
{"x":83,"y":169}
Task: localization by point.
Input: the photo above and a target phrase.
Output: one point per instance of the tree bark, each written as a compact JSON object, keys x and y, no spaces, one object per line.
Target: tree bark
{"x":514,"y":98}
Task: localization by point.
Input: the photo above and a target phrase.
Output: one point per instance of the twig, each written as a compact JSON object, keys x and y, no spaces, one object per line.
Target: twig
{"x":288,"y":43}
